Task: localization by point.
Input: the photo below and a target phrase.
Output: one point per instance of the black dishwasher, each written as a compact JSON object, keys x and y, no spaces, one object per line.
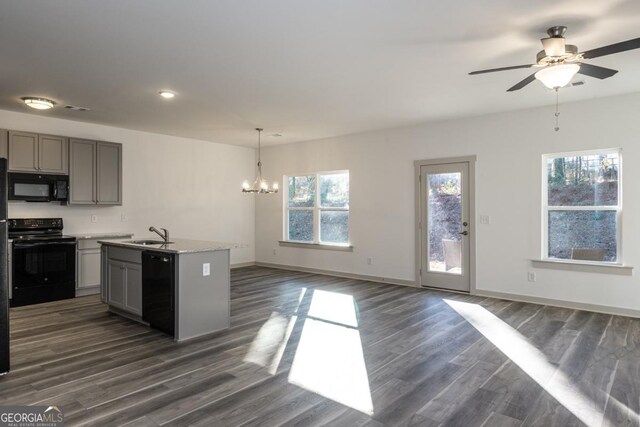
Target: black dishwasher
{"x":158,"y":290}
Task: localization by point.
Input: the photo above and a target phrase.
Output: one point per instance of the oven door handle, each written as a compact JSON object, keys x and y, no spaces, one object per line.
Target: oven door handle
{"x":31,"y":245}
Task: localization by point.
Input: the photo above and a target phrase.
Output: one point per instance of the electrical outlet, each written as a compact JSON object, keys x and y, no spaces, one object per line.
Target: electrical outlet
{"x":123,"y":217}
{"x":206,"y":269}
{"x":94,"y":218}
{"x":531,"y":276}
{"x":275,"y":251}
{"x":370,"y":261}
{"x":485,"y":219}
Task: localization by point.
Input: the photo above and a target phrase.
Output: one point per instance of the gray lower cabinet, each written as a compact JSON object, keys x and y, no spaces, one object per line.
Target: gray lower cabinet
{"x":133,"y":288}
{"x":123,"y":280}
{"x":32,"y":152}
{"x":88,"y":267}
{"x":4,"y":147}
{"x":116,"y":283}
{"x":95,"y":175}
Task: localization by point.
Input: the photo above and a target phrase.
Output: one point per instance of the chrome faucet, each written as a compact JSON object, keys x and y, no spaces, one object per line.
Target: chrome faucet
{"x":165,"y":235}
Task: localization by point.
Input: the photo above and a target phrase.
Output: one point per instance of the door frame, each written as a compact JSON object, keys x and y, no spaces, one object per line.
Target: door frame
{"x":417,"y":164}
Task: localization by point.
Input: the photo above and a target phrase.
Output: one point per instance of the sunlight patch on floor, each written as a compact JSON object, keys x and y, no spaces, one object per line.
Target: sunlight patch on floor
{"x":268,"y":346}
{"x":330,"y":361}
{"x":334,"y":307}
{"x":531,"y":360}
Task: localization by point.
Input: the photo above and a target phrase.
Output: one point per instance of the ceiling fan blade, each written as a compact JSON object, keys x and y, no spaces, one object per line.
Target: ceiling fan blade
{"x":612,"y":48}
{"x":522,"y":83}
{"x":493,"y":70}
{"x":596,"y":71}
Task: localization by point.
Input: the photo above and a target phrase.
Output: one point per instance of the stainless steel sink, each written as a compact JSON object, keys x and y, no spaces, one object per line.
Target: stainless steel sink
{"x":148,"y":242}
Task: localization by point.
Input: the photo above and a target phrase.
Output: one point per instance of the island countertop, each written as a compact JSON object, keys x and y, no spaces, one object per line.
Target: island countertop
{"x":106,"y":235}
{"x":178,"y":246}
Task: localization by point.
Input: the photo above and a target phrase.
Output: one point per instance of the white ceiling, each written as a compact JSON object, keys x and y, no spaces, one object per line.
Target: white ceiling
{"x":308,"y":69}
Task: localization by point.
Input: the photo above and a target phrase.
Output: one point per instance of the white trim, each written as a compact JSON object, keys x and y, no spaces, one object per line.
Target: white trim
{"x":376,"y":279}
{"x":583,"y":208}
{"x":597,"y":308}
{"x":607,"y":309}
{"x":544,"y":250}
{"x":471,"y":161}
{"x":242,"y":265}
{"x":308,"y":245}
{"x":316,"y":209}
{"x":589,"y":267}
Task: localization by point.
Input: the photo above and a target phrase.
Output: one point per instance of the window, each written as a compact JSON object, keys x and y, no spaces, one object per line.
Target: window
{"x":317,"y":208}
{"x":582,"y":206}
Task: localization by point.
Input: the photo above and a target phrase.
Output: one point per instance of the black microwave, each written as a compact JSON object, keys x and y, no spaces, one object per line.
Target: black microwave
{"x":35,"y":187}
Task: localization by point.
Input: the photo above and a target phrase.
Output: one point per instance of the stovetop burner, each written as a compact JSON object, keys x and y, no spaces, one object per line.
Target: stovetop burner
{"x":36,"y":229}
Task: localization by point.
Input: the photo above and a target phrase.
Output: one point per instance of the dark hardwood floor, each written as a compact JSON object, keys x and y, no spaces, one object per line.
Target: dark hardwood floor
{"x":308,"y":350}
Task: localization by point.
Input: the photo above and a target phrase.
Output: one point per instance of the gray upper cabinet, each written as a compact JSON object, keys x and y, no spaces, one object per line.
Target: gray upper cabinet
{"x":95,"y":175}
{"x":53,"y":154}
{"x":31,"y":152}
{"x":82,"y":172}
{"x":23,"y":151}
{"x":4,"y":144}
{"x":109,"y":173}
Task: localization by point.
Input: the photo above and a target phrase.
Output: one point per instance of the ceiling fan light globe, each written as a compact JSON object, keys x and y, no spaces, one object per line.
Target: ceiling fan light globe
{"x":554,"y":46}
{"x":556,"y":76}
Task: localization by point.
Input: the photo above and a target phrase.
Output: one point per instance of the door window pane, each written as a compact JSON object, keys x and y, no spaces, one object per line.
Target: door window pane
{"x":588,"y":180}
{"x":302,"y":191}
{"x":334,"y":226}
{"x":334,"y":190}
{"x":301,"y":225}
{"x":444,"y":223}
{"x":583,"y":235}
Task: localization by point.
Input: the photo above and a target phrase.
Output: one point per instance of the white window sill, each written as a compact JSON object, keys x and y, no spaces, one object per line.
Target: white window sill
{"x":585,"y":266}
{"x":324,"y":246}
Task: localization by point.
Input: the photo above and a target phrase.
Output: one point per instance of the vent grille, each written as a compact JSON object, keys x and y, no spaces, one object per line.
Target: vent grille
{"x":76,"y":108}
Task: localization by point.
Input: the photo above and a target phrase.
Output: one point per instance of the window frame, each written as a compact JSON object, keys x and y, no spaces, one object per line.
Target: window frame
{"x":546,"y":208}
{"x":316,"y":208}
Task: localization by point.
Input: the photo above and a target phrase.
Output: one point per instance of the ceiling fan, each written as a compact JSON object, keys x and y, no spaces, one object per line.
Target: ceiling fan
{"x":559,"y":62}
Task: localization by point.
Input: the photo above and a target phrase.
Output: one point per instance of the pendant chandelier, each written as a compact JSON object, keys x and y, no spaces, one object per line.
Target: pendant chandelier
{"x":260,"y":185}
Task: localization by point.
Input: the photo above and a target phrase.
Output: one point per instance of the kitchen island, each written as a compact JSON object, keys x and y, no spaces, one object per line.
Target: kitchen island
{"x":180,"y":287}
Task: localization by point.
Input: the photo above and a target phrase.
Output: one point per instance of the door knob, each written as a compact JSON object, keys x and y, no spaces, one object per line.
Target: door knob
{"x":464,"y":233}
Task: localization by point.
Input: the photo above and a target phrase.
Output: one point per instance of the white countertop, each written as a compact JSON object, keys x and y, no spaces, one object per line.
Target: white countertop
{"x":178,"y":246}
{"x":108,"y":235}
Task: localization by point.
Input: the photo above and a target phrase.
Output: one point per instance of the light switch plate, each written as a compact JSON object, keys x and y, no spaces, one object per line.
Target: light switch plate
{"x":94,"y":218}
{"x":206,"y":269}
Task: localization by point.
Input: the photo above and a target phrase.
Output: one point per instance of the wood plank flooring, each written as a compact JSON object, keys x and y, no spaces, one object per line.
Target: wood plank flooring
{"x":311,"y":350}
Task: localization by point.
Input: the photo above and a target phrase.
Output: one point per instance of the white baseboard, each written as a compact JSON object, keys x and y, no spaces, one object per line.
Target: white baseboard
{"x":606,"y":309}
{"x":376,"y":279}
{"x":619,"y":311}
{"x":243,"y":264}
{"x":83,"y":292}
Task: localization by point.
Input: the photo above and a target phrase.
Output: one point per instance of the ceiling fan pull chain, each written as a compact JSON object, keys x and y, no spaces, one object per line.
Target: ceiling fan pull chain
{"x":557,"y":128}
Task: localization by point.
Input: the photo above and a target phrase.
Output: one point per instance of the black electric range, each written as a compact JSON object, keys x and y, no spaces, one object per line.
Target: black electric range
{"x":43,"y":261}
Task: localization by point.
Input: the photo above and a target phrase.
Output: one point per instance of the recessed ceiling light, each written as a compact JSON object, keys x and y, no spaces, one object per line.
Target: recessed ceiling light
{"x":167,"y":94}
{"x":38,"y":103}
